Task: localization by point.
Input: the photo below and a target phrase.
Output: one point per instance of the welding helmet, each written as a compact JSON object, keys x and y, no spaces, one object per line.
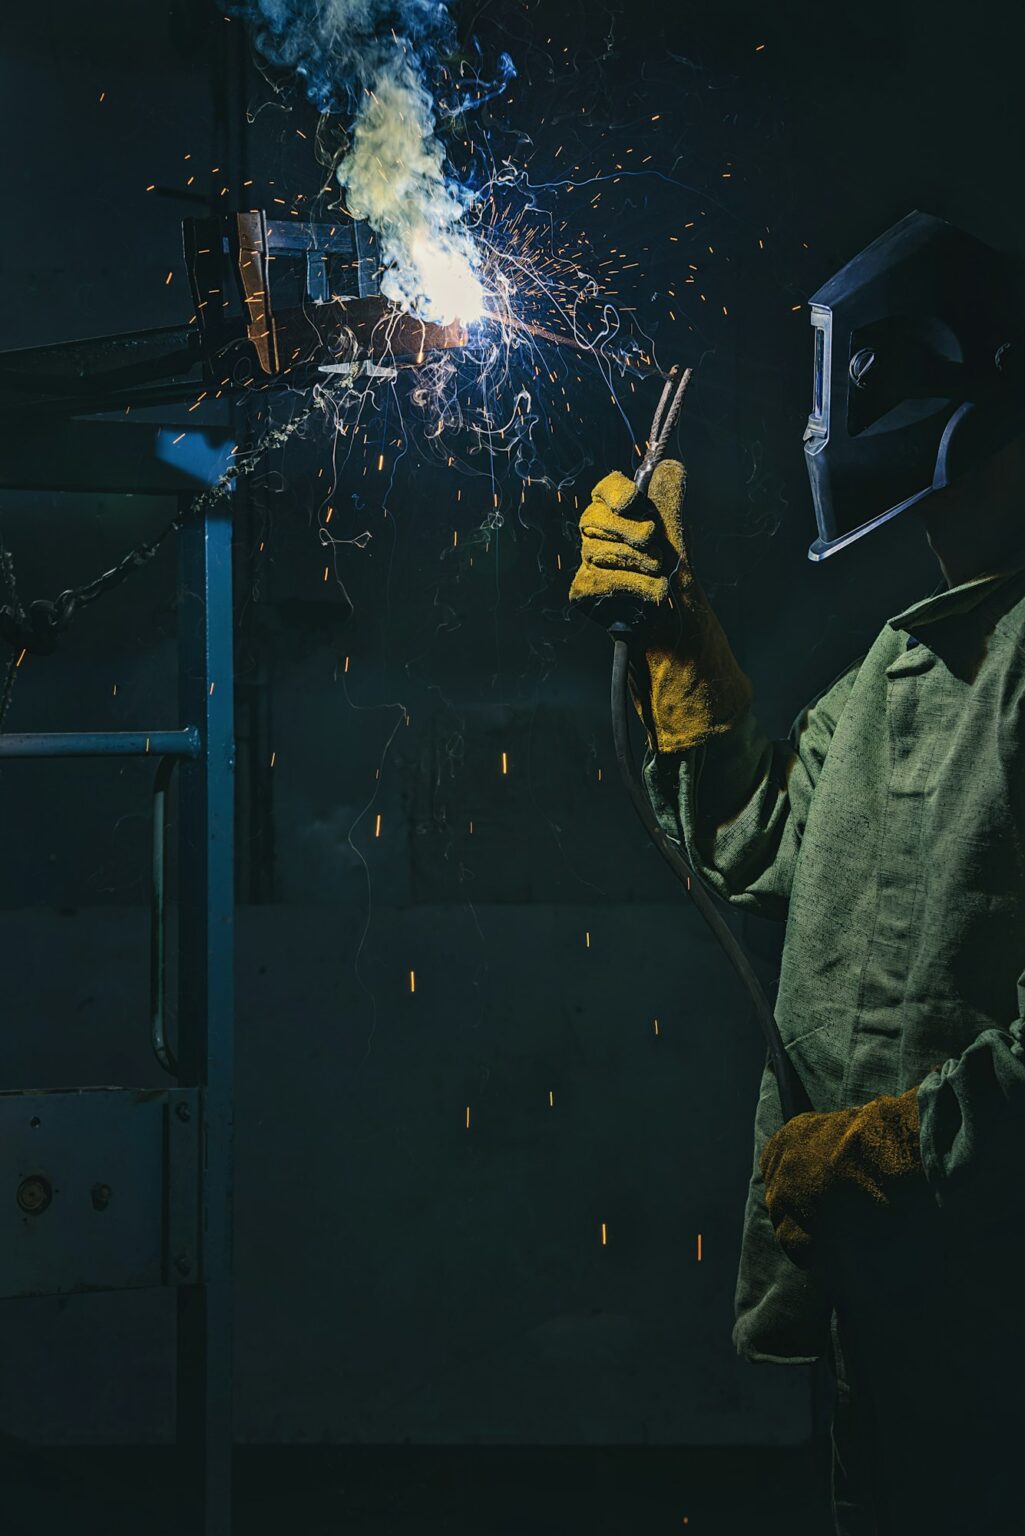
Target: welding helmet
{"x":917,"y":374}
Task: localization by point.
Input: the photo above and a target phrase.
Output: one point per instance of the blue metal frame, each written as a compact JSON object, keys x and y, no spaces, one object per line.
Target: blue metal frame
{"x":206,"y":1000}
{"x":204,"y":747}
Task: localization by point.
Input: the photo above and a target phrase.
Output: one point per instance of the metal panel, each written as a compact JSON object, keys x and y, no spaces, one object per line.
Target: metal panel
{"x":98,"y":1189}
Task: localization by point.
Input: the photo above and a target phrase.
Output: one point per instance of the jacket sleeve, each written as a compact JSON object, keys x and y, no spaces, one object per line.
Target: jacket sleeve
{"x":972,"y":1124}
{"x":738,"y":803}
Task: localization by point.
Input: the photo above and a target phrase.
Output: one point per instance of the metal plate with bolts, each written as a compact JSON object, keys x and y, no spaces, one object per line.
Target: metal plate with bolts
{"x":99,"y":1189}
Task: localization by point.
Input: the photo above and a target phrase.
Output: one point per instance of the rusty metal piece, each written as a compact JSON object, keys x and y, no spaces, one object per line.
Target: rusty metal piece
{"x":251,"y":261}
{"x":301,"y":296}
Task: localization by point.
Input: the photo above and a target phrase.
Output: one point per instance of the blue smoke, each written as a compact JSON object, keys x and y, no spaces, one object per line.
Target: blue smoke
{"x":338,"y":47}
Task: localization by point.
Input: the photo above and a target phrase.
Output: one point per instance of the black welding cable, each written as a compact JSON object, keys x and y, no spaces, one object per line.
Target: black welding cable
{"x":792,"y":1095}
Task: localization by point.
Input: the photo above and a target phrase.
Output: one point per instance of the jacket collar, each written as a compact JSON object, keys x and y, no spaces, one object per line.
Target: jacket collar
{"x":947,"y":601}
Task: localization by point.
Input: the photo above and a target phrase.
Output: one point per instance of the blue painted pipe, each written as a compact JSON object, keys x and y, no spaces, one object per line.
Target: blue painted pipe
{"x":184,"y":743}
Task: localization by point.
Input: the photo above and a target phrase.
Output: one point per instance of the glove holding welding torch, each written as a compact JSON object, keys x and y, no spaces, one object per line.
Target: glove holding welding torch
{"x":686,"y":683}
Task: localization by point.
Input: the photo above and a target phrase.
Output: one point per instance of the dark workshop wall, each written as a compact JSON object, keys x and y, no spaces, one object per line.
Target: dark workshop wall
{"x":399,"y":1275}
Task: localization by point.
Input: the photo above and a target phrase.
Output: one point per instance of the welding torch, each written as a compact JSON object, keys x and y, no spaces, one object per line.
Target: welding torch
{"x":625,"y":619}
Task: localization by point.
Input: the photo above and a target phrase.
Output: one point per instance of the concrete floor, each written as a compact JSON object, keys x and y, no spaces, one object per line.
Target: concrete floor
{"x":432,"y":1491}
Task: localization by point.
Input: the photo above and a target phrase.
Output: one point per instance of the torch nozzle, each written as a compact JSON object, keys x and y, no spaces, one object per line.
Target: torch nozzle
{"x":667,"y":414}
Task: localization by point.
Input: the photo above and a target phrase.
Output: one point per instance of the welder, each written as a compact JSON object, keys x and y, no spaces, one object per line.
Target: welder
{"x":885,"y":1229}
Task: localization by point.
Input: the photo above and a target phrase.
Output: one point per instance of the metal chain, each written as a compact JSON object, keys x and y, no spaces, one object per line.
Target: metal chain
{"x":37,"y":629}
{"x":11,"y":672}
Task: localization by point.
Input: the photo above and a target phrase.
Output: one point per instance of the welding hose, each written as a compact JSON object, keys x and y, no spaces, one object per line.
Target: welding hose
{"x":621,"y":620}
{"x":835,"y":1266}
{"x":793,"y":1097}
{"x":792,"y":1094}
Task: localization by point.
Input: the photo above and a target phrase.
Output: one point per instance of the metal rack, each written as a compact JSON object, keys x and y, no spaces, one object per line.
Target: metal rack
{"x":119,"y":1188}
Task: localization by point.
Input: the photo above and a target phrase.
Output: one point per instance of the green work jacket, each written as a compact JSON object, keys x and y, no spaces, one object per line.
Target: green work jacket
{"x":888,"y":833}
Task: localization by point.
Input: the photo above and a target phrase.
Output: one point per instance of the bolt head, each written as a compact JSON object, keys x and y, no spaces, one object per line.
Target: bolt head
{"x":34,"y":1194}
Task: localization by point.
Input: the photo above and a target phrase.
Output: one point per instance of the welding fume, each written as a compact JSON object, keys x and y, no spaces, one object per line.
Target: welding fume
{"x":884,"y":1224}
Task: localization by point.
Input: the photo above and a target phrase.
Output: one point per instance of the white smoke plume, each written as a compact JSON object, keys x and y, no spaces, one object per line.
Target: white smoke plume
{"x":373,"y":57}
{"x":394,"y":178}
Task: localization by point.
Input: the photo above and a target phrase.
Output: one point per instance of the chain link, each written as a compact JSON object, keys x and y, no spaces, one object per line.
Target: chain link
{"x":14,"y":606}
{"x":37,"y":629}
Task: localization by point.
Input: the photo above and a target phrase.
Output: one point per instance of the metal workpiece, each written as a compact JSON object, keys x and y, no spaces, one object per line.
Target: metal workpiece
{"x":277,"y":302}
{"x":283,"y":297}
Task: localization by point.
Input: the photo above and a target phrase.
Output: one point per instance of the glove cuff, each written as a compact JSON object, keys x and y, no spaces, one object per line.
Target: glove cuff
{"x":892,"y":1126}
{"x":688,"y":685}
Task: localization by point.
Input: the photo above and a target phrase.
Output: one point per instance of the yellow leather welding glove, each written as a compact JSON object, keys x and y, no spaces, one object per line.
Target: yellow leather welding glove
{"x":858,"y":1157}
{"x":687,"y":685}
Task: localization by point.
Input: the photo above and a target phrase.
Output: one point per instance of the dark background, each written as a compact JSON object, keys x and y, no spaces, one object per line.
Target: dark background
{"x":402,"y":1280}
